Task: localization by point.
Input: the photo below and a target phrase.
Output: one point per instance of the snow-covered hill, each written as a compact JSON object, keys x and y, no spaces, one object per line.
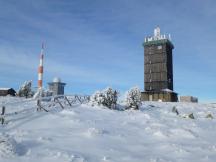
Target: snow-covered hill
{"x":83,"y":133}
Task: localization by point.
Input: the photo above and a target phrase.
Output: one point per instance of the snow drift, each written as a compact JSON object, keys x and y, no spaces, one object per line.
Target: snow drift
{"x":83,"y":133}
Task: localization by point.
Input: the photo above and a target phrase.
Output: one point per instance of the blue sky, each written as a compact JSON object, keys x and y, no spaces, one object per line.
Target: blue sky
{"x":92,"y":44}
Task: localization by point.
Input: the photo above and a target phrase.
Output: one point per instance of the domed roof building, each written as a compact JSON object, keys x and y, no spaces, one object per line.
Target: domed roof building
{"x":56,"y":86}
{"x":56,"y":80}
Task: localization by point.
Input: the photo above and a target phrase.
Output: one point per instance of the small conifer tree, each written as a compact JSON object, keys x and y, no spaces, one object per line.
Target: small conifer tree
{"x":107,"y":97}
{"x":133,"y":98}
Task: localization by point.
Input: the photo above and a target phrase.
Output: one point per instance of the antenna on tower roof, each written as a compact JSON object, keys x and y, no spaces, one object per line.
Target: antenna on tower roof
{"x":157,"y":32}
{"x":169,"y":37}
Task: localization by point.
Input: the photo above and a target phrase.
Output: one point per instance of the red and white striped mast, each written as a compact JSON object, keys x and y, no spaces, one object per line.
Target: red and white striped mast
{"x":40,"y":69}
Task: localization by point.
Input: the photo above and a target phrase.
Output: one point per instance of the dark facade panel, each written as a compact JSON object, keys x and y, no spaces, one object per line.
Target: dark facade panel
{"x":156,"y":77}
{"x":158,"y":67}
{"x":155,"y":85}
{"x":155,"y":58}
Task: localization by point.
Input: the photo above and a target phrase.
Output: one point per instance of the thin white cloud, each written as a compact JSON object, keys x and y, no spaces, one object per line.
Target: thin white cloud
{"x":21,"y":60}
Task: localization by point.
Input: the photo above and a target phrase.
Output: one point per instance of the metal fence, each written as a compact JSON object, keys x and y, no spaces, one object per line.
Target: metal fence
{"x":24,"y":106}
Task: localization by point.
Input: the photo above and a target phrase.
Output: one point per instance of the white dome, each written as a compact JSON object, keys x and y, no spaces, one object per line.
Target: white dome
{"x":57,"y":80}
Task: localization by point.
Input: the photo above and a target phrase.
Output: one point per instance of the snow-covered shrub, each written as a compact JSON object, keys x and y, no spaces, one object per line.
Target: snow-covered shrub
{"x":107,"y":97}
{"x":25,"y":90}
{"x":133,"y":98}
{"x":110,"y":97}
{"x":42,"y":93}
{"x":97,"y":98}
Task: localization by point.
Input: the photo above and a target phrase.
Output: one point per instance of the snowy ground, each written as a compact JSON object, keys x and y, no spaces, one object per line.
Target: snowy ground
{"x":93,"y":134}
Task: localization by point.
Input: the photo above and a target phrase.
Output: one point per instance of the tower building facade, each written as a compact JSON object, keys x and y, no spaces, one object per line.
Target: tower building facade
{"x":158,"y":68}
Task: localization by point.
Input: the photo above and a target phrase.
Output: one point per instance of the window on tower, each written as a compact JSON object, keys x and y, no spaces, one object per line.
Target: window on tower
{"x":159,"y":47}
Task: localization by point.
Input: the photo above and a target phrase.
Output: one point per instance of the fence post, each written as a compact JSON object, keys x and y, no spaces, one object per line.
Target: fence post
{"x":39,"y":106}
{"x":68,"y":101}
{"x":79,"y":98}
{"x":59,"y":103}
{"x":2,"y":115}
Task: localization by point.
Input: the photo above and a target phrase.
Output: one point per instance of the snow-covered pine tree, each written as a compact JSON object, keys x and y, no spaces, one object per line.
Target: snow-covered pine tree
{"x":25,"y":90}
{"x":107,"y":97}
{"x":97,"y":98}
{"x":110,"y":97}
{"x":133,"y":98}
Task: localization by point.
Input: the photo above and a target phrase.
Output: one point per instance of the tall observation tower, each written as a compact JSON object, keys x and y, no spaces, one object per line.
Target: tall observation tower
{"x":158,"y":68}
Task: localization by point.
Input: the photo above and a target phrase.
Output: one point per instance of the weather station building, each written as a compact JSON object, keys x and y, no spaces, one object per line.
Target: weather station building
{"x":56,"y":87}
{"x":158,"y":68}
